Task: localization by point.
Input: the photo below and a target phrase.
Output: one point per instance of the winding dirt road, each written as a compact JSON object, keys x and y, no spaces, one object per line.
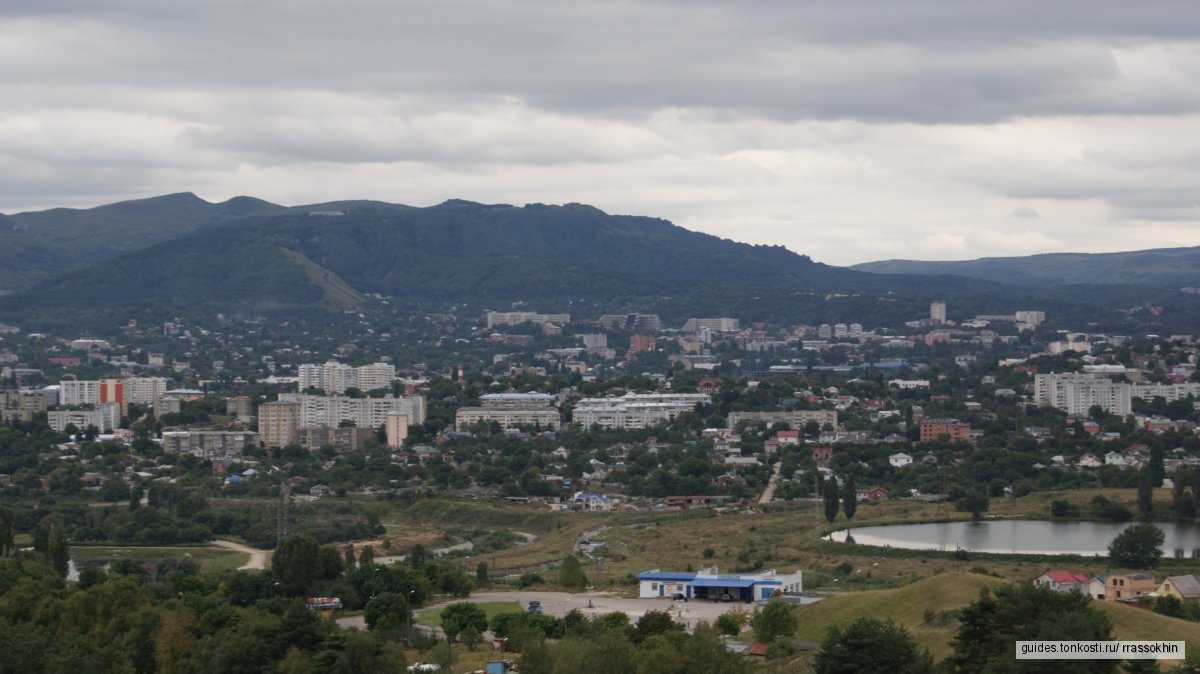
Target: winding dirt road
{"x":258,"y":558}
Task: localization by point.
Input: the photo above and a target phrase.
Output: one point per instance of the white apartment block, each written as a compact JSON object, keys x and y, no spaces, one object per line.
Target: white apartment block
{"x":795,"y":418}
{"x":1170,"y":392}
{"x":143,"y":390}
{"x":78,"y":392}
{"x":937,"y":312}
{"x":908,"y":384}
{"x":364,"y":412}
{"x":494,"y":318}
{"x":375,"y":376}
{"x":1077,"y":393}
{"x":723,"y":324}
{"x":105,"y":417}
{"x":634,"y":410}
{"x":511,"y":410}
{"x":1034,"y":318}
{"x":332,"y":377}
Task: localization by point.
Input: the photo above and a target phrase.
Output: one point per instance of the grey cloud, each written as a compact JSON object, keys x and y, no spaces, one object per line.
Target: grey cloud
{"x":1024,"y":212}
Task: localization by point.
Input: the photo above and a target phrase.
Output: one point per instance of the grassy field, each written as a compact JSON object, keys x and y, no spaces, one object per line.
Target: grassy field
{"x":433,"y":616}
{"x":209,"y":558}
{"x":908,"y":606}
{"x":926,"y":609}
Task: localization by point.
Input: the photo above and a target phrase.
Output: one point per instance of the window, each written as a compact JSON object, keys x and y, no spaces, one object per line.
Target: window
{"x":654,"y":587}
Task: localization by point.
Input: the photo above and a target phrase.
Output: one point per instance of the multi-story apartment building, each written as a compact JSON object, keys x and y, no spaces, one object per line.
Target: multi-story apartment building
{"x":278,"y":422}
{"x":953,"y":430}
{"x":494,"y":318}
{"x":937,"y":313}
{"x":349,"y":439}
{"x":1076,"y":394}
{"x":144,"y":390}
{"x":104,"y":416}
{"x":723,"y":324}
{"x":208,"y":444}
{"x":797,"y":419}
{"x":511,"y":410}
{"x":374,"y":376}
{"x":363,"y":412}
{"x":71,"y":392}
{"x":395,"y":425}
{"x":635,"y":410}
{"x":20,"y":406}
{"x":331,"y":377}
{"x":1169,"y":392}
{"x":649,"y":322}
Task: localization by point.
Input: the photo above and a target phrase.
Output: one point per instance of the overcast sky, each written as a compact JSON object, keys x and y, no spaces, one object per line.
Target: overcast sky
{"x":848,"y":131}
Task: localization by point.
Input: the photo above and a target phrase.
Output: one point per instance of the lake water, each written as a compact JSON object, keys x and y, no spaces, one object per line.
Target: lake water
{"x":1037,"y":537}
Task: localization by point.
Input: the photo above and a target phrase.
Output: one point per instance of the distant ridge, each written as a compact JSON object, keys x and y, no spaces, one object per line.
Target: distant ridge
{"x":1159,"y":266}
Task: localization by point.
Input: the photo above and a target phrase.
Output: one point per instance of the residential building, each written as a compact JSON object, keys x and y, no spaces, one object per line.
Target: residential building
{"x":640,"y":343}
{"x":374,"y":376}
{"x":144,"y":390}
{"x":332,"y":377}
{"x":1031,"y":318}
{"x":362,"y":412}
{"x":395,"y":425}
{"x":724,"y":324}
{"x":239,"y":407}
{"x":278,"y":423}
{"x":937,"y":313}
{"x":1183,"y":588}
{"x":1169,"y":392}
{"x":900,"y":460}
{"x":634,"y":410}
{"x":104,"y":416}
{"x":1128,"y":586}
{"x":591,"y":502}
{"x":511,"y":410}
{"x":1064,"y":581}
{"x":20,"y":406}
{"x":871,"y":494}
{"x":208,"y":444}
{"x":1076,"y":394}
{"x":72,"y":392}
{"x":797,"y":419}
{"x":649,"y":322}
{"x":954,"y":430}
{"x":346,"y":439}
{"x":511,"y":318}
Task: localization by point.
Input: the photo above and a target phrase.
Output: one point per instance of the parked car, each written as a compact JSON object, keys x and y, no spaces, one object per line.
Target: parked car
{"x":535,"y":606}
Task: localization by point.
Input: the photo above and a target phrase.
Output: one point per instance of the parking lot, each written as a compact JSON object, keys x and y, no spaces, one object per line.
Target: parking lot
{"x":592,"y":604}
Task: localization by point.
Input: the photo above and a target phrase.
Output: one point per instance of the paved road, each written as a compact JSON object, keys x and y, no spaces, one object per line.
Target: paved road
{"x":769,"y":493}
{"x":258,"y":558}
{"x":558,"y":604}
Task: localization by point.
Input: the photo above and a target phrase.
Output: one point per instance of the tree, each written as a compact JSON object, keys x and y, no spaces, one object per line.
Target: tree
{"x":481,"y":573}
{"x":59,"y":550}
{"x":571,"y":575}
{"x":8,"y":521}
{"x":870,"y":645}
{"x":849,"y":499}
{"x":296,"y":563}
{"x":730,"y":623}
{"x":463,"y":616}
{"x":1157,"y":471}
{"x":990,"y":625}
{"x":135,"y":496}
{"x":1137,"y":547}
{"x":653,"y":623}
{"x":974,"y":502}
{"x":1145,"y":493}
{"x":831,"y":500}
{"x":389,"y":610}
{"x":775,"y":620}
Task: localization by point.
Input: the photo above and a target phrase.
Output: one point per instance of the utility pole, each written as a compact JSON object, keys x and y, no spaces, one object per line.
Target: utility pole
{"x":281,"y":524}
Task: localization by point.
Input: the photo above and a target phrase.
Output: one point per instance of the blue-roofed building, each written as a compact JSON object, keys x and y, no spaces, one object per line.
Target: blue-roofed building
{"x":710,"y":585}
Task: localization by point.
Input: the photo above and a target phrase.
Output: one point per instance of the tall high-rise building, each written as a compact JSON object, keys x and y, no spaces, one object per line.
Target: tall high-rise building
{"x":332,"y":377}
{"x":278,"y":423}
{"x":72,"y":392}
{"x":937,"y":312}
{"x":376,"y":375}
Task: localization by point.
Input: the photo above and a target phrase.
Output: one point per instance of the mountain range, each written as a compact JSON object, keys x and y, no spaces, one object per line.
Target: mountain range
{"x":181,"y":253}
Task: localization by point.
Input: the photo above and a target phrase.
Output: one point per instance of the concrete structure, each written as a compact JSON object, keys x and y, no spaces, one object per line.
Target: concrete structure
{"x":374,"y":376}
{"x":332,"y":377}
{"x":395,"y":425}
{"x":144,"y":390}
{"x":511,"y":410}
{"x":510,"y":318}
{"x":797,"y":419}
{"x":937,"y":312}
{"x":71,"y":392}
{"x":239,"y":407}
{"x":347,"y":439}
{"x":1169,"y":392}
{"x":1076,"y":393}
{"x":208,"y":444}
{"x":104,"y":417}
{"x":634,"y":410}
{"x":1030,"y":318}
{"x":710,"y":585}
{"x":723,"y":324}
{"x":631,"y":322}
{"x":909,"y":384}
{"x":20,"y":406}
{"x":278,"y":423}
{"x":900,"y":460}
{"x":363,"y":412}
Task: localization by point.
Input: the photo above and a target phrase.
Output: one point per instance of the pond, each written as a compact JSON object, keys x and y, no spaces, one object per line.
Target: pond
{"x":1037,"y":537}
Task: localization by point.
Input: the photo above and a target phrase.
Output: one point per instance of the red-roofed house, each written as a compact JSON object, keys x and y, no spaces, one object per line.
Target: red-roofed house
{"x":1063,"y":581}
{"x":788,"y":437}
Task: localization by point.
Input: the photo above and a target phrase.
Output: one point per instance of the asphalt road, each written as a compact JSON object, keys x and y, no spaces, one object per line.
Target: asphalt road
{"x":558,"y":604}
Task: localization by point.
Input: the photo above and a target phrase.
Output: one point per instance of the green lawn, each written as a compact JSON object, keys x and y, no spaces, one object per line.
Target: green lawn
{"x":433,"y":616}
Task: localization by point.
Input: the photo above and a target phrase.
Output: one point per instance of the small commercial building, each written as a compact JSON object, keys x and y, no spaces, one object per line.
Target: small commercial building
{"x":708,"y":584}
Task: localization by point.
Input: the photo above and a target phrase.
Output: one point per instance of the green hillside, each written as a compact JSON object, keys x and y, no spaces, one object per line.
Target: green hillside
{"x":1164,"y":266}
{"x":926,"y":609}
